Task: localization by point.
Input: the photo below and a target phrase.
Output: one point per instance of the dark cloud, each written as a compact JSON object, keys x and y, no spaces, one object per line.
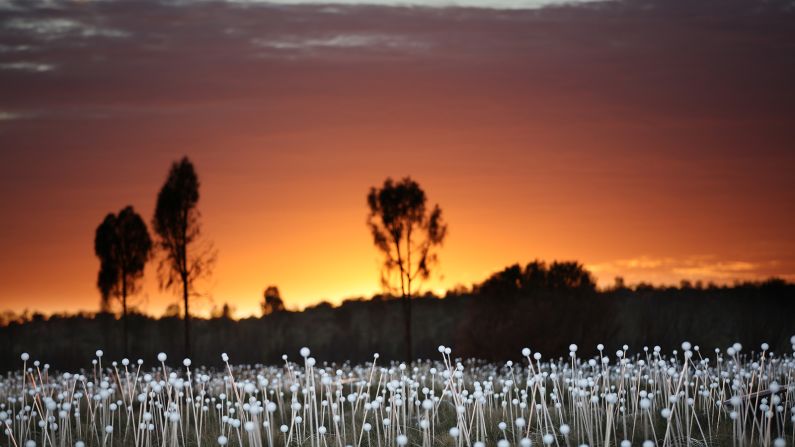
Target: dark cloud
{"x":719,"y":60}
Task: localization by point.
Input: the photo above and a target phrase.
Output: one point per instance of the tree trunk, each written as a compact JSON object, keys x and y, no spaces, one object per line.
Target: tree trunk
{"x":124,"y":313}
{"x":187,"y":315}
{"x":407,"y":327}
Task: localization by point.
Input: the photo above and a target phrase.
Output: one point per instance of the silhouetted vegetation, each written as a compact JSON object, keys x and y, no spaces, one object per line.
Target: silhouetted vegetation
{"x":271,"y":301}
{"x":405,"y":232}
{"x":123,"y":246}
{"x":543,"y":306}
{"x":176,"y":223}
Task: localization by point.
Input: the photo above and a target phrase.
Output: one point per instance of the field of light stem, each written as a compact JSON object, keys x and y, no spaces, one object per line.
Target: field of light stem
{"x":619,"y":398}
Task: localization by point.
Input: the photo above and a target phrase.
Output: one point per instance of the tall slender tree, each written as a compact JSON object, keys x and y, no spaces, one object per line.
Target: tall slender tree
{"x":406,"y":233}
{"x":185,"y":257}
{"x":123,"y":246}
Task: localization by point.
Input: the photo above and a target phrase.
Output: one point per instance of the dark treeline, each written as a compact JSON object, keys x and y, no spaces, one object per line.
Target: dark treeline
{"x":544,"y":307}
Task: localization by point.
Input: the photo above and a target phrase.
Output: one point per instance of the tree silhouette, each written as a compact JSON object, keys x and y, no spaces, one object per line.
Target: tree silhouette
{"x":176,"y":222}
{"x":225,"y":312}
{"x":123,"y":246}
{"x":271,"y":301}
{"x":406,"y":233}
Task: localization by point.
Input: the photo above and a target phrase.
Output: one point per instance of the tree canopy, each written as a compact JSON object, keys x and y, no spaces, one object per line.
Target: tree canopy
{"x":123,"y":246}
{"x":406,"y":232}
{"x":177,"y":225}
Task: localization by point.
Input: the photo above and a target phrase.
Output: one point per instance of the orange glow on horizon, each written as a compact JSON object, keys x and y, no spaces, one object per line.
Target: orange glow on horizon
{"x":310,"y":240}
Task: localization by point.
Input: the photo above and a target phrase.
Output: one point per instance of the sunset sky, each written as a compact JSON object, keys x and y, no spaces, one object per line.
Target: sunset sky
{"x":653,"y":139}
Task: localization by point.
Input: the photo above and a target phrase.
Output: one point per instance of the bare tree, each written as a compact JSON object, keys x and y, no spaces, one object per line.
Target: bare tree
{"x":123,"y":246}
{"x":176,"y":222}
{"x":406,"y":233}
